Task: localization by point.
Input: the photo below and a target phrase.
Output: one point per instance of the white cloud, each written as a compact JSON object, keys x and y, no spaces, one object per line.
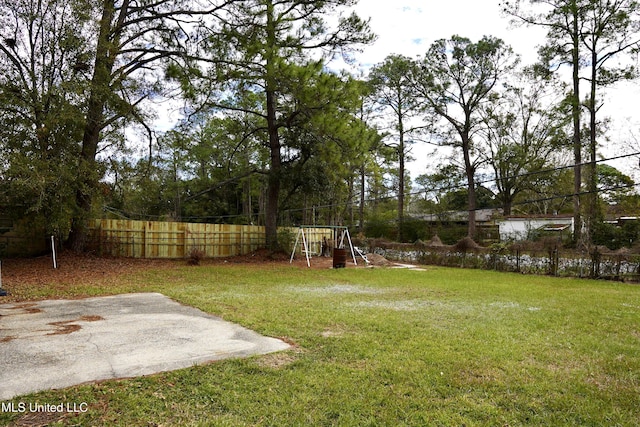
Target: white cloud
{"x":409,"y":27}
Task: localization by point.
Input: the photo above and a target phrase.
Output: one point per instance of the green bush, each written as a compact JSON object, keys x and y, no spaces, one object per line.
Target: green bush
{"x":414,"y":229}
{"x":378,"y":228}
{"x":608,"y":235}
{"x":286,"y":239}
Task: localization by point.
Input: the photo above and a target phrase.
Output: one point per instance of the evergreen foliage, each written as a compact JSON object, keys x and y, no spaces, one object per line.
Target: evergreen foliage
{"x":272,"y":134}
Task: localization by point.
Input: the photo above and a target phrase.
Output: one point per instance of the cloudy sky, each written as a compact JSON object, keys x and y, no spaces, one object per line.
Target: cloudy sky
{"x":409,"y":27}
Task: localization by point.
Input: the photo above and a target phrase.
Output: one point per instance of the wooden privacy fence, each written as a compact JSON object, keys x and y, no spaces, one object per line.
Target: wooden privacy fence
{"x":154,"y":239}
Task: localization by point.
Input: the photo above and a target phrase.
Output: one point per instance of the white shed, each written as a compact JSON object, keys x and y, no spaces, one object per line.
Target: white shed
{"x":520,"y":227}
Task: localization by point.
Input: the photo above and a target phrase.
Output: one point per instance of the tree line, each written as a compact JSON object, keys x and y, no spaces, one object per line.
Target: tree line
{"x":272,"y":133}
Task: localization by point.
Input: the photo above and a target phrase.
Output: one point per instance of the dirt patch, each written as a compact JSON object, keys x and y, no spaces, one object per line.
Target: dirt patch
{"x":65,"y":327}
{"x":39,"y":419}
{"x":334,"y":331}
{"x":27,"y":307}
{"x":91,"y":318}
{"x":69,"y":326}
{"x":74,"y":268}
{"x":277,"y":360}
{"x":24,"y":277}
{"x":375,"y":260}
{"x":281,"y":359}
{"x":379,"y":260}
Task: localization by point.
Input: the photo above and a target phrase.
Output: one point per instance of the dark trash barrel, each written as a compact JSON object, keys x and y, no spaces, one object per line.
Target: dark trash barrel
{"x":339,"y":258}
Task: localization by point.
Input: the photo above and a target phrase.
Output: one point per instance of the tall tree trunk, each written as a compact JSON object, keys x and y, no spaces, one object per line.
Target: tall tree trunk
{"x":592,"y":183}
{"x":401,"y":168}
{"x":506,"y":206}
{"x":575,"y":114}
{"x":471,"y":183}
{"x":363,"y":182}
{"x":349,"y":206}
{"x":273,"y":189}
{"x":247,"y":209}
{"x":87,"y":174}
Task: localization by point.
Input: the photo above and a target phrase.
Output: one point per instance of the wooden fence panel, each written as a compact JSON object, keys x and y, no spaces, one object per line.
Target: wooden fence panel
{"x":119,"y":237}
{"x":155,"y":239}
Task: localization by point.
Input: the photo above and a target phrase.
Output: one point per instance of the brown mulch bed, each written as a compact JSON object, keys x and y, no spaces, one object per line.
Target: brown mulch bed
{"x":74,"y":268}
{"x":21,"y":276}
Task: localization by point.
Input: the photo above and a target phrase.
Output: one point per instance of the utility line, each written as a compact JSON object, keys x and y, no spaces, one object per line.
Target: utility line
{"x":543,"y":171}
{"x":527,"y":202}
{"x":582,"y":193}
{"x":492,"y":180}
{"x":124,"y":214}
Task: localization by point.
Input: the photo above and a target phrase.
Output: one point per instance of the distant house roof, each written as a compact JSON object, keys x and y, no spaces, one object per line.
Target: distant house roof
{"x":538,"y":216}
{"x":482,"y":215}
{"x":520,"y":227}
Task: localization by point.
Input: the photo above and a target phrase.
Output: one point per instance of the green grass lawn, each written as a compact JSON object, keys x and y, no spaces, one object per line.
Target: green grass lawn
{"x":388,"y":347}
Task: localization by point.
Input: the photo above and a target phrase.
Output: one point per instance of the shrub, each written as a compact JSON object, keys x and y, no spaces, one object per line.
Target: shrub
{"x":195,"y":256}
{"x":286,"y":239}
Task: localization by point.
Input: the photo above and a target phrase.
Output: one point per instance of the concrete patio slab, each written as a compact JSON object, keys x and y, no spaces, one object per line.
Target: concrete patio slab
{"x":59,"y":343}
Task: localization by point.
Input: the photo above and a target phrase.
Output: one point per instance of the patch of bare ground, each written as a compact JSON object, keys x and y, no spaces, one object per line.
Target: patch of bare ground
{"x":277,"y":360}
{"x":39,"y":419}
{"x":21,"y":276}
{"x":281,"y":359}
{"x":335,"y":331}
{"x":379,"y":261}
{"x":68,"y":326}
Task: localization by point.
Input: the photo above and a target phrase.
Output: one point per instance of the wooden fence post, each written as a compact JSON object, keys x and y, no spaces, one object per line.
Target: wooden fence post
{"x":186,"y":241}
{"x":145,"y":237}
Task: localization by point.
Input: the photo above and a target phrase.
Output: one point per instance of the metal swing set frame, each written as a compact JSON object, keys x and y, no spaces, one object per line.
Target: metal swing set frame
{"x":340,"y":235}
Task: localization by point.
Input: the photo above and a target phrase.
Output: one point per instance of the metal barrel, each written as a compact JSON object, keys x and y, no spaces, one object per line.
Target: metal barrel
{"x":339,"y":258}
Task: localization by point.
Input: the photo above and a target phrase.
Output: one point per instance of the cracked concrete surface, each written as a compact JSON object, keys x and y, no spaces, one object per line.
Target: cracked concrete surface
{"x":58,"y":343}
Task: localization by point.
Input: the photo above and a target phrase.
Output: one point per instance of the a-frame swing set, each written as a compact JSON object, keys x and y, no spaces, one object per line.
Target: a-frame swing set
{"x":340,"y":237}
